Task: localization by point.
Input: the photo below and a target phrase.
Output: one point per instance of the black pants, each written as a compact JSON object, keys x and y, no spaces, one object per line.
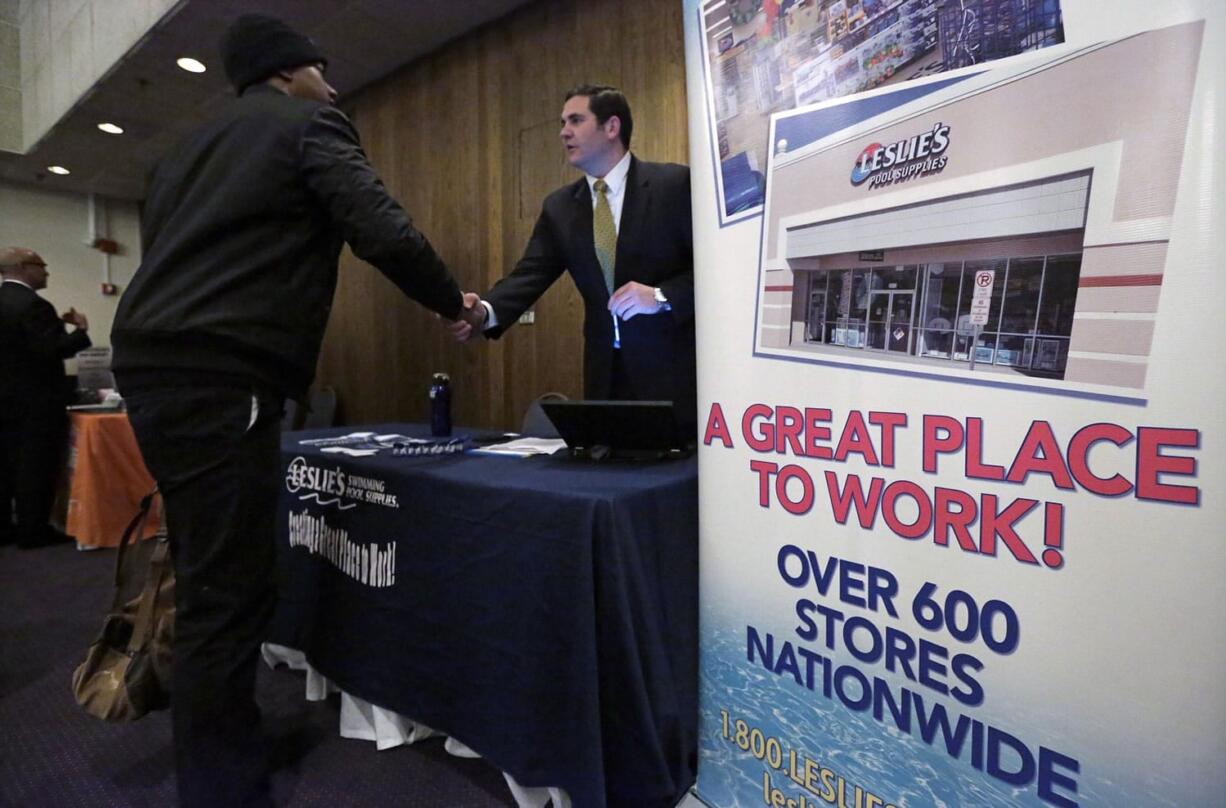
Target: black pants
{"x":33,"y":434}
{"x":218,"y":473}
{"x":625,"y":388}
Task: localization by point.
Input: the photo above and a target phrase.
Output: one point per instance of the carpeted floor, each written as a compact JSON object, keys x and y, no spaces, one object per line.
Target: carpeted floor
{"x":52,"y":754}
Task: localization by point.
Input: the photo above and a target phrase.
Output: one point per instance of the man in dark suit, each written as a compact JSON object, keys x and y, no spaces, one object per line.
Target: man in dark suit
{"x":33,"y":393}
{"x":624,"y":233}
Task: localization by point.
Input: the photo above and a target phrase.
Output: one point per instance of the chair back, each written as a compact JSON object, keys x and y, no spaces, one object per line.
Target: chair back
{"x":322,"y":409}
{"x":289,"y":417}
{"x":536,"y":424}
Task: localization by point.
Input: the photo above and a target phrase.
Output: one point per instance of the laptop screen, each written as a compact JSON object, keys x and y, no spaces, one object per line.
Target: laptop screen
{"x":622,"y":426}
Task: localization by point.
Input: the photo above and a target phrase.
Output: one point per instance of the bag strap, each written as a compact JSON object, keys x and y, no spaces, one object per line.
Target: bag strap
{"x":137,"y":525}
{"x":142,"y":630}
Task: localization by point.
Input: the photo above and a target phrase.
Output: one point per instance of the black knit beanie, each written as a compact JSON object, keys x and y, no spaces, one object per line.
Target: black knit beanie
{"x":256,"y":46}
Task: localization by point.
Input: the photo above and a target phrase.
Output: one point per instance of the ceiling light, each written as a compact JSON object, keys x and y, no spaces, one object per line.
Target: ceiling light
{"x":111,"y":129}
{"x":191,"y":65}
{"x":58,"y":170}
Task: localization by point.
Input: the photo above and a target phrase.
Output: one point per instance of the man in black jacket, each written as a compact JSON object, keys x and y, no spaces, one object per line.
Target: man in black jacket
{"x":242,"y":228}
{"x":33,"y":394}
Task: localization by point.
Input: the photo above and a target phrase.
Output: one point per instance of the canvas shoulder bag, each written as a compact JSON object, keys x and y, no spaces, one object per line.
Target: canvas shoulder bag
{"x":126,"y":672}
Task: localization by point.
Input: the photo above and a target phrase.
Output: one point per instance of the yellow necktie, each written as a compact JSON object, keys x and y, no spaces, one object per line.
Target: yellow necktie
{"x":604,"y":233}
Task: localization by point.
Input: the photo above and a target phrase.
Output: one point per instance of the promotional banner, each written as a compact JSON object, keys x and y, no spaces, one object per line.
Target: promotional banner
{"x":961,"y":409}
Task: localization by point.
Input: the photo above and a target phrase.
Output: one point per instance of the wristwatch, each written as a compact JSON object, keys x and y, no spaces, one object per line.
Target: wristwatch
{"x":662,"y":301}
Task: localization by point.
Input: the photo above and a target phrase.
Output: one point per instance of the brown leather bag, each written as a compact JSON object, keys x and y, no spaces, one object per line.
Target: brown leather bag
{"x":126,"y":672}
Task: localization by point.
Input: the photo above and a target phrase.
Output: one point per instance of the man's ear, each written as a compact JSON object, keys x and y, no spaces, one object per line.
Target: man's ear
{"x":285,"y":75}
{"x":613,"y":126}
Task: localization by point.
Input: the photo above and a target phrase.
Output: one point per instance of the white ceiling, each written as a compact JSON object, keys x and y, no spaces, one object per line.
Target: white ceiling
{"x":156,"y":102}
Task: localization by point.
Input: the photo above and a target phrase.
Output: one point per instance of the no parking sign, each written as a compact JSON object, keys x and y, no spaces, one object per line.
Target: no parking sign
{"x":981,"y":300}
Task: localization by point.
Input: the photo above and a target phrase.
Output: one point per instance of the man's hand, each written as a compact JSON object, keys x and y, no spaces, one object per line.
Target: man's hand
{"x":472,"y":318}
{"x":75,"y":318}
{"x":634,"y":298}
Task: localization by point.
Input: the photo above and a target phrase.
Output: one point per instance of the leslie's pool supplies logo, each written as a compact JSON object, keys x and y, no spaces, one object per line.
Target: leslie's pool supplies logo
{"x":302,"y":474}
{"x":916,"y":156}
{"x":333,"y":486}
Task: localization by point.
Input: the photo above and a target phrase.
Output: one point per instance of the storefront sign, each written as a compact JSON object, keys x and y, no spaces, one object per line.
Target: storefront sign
{"x":903,"y":160}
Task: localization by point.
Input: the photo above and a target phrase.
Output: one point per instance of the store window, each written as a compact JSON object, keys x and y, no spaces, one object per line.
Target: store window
{"x":924,"y":310}
{"x":1057,"y":304}
{"x":985,"y":345}
{"x":942,"y":286}
{"x":1019,"y":308}
{"x":849,"y":288}
{"x":815,"y":317}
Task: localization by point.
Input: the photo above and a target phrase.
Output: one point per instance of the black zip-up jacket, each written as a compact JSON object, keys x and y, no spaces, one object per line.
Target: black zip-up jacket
{"x":242,"y":228}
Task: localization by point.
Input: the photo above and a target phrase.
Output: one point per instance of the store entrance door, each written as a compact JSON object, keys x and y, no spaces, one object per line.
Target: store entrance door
{"x":901,"y":305}
{"x":815,"y":317}
{"x":889,"y":321}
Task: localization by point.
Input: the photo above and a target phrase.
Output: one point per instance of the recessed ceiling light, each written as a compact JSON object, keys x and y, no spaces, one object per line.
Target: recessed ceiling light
{"x":191,"y":65}
{"x":111,"y":129}
{"x":58,"y":170}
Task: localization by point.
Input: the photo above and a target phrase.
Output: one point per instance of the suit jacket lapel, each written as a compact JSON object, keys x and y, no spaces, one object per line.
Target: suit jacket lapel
{"x":584,"y":251}
{"x":635,"y":206}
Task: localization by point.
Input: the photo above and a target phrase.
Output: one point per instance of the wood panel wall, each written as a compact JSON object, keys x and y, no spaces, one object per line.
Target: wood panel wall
{"x":467,"y":139}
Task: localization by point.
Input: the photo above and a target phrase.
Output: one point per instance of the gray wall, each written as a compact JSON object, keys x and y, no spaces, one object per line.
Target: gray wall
{"x":63,"y":47}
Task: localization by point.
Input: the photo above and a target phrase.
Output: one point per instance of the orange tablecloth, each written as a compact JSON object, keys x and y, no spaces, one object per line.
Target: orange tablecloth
{"x":108,"y":480}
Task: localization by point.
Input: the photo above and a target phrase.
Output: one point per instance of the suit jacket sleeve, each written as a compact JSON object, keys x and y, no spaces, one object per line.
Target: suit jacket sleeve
{"x":544,"y":260}
{"x":376,"y":227}
{"x":47,"y":335}
{"x":679,"y":286}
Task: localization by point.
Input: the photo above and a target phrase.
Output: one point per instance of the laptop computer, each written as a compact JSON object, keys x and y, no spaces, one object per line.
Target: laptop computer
{"x":621,"y":428}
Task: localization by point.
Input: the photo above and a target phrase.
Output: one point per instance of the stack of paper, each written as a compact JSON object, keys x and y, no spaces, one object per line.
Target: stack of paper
{"x":523,"y":447}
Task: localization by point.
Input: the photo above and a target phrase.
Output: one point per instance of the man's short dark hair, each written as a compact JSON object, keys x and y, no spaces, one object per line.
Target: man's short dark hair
{"x":605,"y":102}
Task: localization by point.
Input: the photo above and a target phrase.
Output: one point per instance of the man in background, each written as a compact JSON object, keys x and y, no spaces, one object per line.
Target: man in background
{"x":623,"y":232}
{"x":242,"y":227}
{"x":33,"y":393}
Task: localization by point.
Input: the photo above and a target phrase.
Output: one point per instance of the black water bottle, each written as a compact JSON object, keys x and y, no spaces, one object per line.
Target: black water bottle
{"x":440,"y":405}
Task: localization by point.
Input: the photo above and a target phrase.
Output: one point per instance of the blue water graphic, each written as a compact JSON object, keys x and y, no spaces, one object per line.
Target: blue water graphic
{"x":898,"y":767}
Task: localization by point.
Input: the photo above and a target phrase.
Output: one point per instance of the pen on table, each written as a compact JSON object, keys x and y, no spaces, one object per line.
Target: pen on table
{"x":617,"y":332}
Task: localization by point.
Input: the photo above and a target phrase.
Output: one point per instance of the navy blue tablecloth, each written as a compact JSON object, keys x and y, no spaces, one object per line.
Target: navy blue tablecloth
{"x":543,"y":611}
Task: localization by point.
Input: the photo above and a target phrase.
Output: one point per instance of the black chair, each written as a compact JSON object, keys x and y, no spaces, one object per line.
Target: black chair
{"x":289,"y":417}
{"x":536,"y":423}
{"x":321,"y":409}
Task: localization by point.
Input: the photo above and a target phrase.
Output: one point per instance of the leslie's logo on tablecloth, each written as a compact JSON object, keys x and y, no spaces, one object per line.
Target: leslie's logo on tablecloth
{"x":329,"y":486}
{"x":302,"y":474}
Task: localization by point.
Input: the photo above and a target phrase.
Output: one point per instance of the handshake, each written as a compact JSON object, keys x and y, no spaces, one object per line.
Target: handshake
{"x":630,"y":300}
{"x":472,"y":318}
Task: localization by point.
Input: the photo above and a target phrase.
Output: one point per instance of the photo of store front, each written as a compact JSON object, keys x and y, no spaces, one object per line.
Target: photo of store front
{"x":877,"y":232}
